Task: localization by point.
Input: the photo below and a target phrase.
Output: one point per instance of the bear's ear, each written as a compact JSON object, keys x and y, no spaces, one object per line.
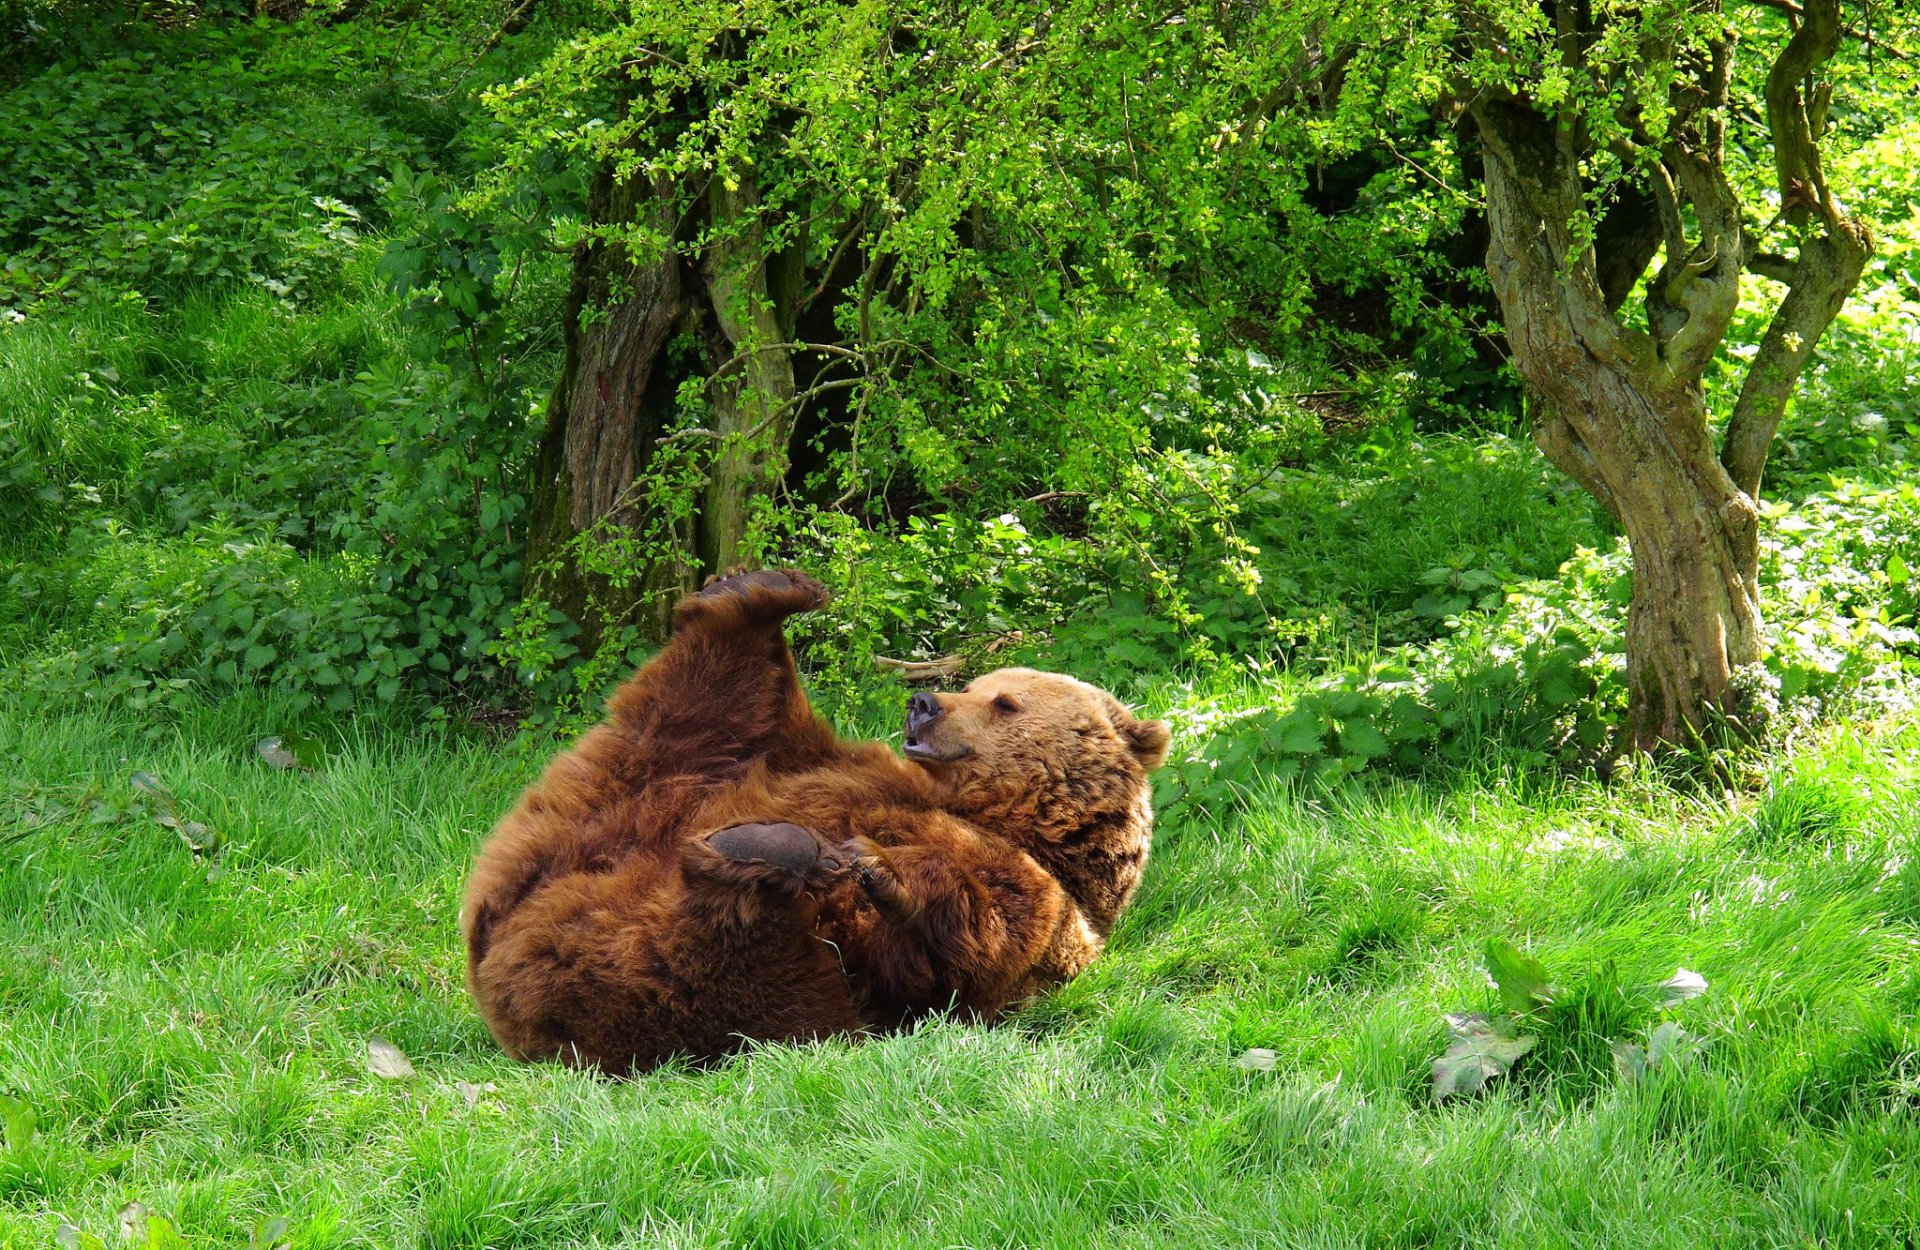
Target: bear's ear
{"x":1149,"y":739}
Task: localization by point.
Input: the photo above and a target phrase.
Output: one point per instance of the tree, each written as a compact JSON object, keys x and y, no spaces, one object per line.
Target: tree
{"x":705,"y":275}
{"x":1604,"y":132}
{"x":836,"y":254}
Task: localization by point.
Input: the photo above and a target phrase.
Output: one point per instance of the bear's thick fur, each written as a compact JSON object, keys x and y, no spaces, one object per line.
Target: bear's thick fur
{"x":712,"y":864}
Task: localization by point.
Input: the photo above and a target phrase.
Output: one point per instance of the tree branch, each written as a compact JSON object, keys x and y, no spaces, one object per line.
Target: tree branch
{"x":1829,"y":264}
{"x":1852,"y":32}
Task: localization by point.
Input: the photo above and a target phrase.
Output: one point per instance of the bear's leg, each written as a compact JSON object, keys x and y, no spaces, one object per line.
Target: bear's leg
{"x":979,"y":930}
{"x":723,"y":691}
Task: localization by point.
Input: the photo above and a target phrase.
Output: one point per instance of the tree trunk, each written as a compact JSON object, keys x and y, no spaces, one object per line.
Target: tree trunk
{"x":753,"y":390}
{"x":1617,"y":414}
{"x":601,"y":547}
{"x":1695,"y":614}
{"x":610,"y":406}
{"x":1694,"y":618}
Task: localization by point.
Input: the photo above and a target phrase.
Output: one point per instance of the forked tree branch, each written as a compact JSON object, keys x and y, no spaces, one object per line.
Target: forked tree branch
{"x":1834,"y":246}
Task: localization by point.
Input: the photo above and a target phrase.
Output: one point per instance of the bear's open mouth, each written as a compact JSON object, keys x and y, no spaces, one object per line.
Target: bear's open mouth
{"x":917,"y":748}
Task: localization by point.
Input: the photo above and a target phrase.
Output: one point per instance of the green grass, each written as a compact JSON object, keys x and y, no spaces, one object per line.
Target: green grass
{"x":200,"y":1045}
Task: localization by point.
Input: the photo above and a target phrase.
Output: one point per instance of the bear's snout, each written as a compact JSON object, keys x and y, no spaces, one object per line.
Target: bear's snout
{"x":924,"y":725}
{"x":922,"y":710}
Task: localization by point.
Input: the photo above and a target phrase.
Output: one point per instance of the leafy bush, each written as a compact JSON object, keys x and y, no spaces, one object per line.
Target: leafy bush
{"x":233,"y":455}
{"x":143,"y":167}
{"x":1542,"y":676}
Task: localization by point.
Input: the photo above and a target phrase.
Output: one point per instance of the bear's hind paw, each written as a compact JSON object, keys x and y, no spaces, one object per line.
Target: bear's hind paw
{"x":764,"y":596}
{"x":781,"y":855}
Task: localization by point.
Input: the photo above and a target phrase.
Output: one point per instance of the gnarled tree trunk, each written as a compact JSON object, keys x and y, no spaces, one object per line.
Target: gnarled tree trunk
{"x":1614,"y":415}
{"x":1621,"y":409}
{"x":606,"y":414}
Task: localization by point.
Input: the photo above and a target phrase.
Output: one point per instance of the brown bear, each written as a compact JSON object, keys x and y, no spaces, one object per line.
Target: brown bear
{"x":712,"y":865}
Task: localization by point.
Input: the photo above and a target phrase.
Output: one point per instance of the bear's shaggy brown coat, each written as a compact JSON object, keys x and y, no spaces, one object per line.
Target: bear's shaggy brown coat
{"x":711,"y":864}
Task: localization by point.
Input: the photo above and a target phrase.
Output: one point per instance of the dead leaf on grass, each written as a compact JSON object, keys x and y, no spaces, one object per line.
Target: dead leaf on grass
{"x":474,"y":1093}
{"x":1256,"y":1059}
{"x":387,"y":1061}
{"x":1478,"y":1054}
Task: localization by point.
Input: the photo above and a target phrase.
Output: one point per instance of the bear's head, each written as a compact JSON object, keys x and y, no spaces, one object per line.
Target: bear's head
{"x":1050,"y":762}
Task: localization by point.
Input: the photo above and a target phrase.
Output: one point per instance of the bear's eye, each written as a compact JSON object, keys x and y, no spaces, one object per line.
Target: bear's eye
{"x":1005,"y":706}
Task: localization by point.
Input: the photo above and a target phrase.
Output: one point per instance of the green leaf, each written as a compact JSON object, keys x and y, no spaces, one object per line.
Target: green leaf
{"x":1629,"y":1060}
{"x":161,"y":1235}
{"x":147,"y":783}
{"x":1668,"y":1045}
{"x":1897,"y":572}
{"x":1298,"y":733}
{"x":1477,"y":1054}
{"x":21,"y":1122}
{"x":1360,"y":738}
{"x":1521,"y":979}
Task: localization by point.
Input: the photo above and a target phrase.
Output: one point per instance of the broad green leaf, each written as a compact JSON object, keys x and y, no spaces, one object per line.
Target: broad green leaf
{"x":1477,"y":1054}
{"x":147,"y":783}
{"x":1629,"y":1060}
{"x":1298,"y":733}
{"x":161,"y":1235}
{"x":1520,"y":978}
{"x":1667,"y":1045}
{"x":21,"y":1122}
{"x":1360,"y":738}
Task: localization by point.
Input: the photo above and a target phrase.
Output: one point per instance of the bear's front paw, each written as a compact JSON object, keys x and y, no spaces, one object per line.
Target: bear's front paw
{"x":879,"y":880}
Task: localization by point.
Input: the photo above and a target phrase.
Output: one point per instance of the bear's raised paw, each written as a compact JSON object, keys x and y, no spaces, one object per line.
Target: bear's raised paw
{"x":763,"y":596}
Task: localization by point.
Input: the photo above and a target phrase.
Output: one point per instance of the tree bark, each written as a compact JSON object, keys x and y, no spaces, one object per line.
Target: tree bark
{"x":1622,"y":409}
{"x":605,"y":416}
{"x":752,"y":390}
{"x":1629,"y":423}
{"x":601,"y":548}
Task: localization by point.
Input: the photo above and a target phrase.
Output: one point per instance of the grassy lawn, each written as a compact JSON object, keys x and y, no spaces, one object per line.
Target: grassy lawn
{"x":200,"y":1046}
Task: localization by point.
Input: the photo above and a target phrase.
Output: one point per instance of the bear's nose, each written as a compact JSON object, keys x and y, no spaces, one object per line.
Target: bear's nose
{"x":922,"y":709}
